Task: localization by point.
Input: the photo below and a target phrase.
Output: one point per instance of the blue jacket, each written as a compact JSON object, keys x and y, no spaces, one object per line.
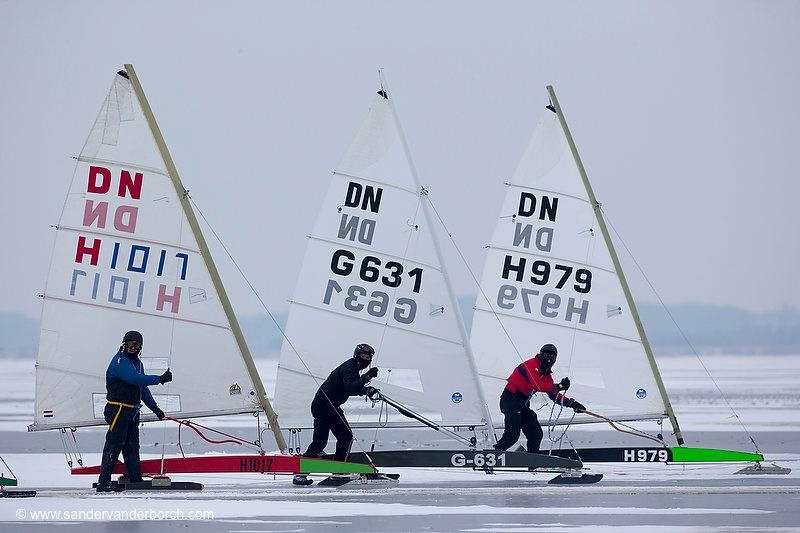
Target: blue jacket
{"x":126,"y":381}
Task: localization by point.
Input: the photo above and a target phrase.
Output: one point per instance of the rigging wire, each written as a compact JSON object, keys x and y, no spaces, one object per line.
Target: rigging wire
{"x":272,"y":317}
{"x":173,"y":322}
{"x":475,"y":279}
{"x":413,"y":226}
{"x":635,"y":431}
{"x":9,"y":468}
{"x":551,"y":426}
{"x":683,"y":335}
{"x":232,"y":439}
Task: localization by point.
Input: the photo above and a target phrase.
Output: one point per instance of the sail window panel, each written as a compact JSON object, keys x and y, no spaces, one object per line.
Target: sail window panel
{"x":155,"y":364}
{"x":169,"y":403}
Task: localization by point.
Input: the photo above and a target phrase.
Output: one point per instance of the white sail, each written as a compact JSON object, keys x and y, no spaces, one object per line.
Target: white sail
{"x":372,"y":274}
{"x":125,"y":258}
{"x":549,"y":278}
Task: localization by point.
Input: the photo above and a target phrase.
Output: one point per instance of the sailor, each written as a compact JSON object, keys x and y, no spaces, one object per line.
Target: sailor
{"x":126,"y":387}
{"x":534,"y":375}
{"x":342,"y":383}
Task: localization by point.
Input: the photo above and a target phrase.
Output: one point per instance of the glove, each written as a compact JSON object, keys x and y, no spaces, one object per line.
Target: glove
{"x":159,"y":413}
{"x":564,"y":385}
{"x":372,"y":372}
{"x":165,"y":377}
{"x":371,"y":391}
{"x":578,"y":406}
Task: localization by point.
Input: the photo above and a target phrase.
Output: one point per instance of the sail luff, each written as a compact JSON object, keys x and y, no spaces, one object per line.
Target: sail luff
{"x":450,"y":292}
{"x":615,"y":259}
{"x":207,"y":258}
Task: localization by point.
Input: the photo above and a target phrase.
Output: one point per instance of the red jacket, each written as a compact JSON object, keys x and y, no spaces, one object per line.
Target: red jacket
{"x":528,"y":377}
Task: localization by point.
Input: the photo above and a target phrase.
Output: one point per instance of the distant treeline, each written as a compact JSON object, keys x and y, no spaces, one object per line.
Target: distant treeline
{"x":709,"y":329}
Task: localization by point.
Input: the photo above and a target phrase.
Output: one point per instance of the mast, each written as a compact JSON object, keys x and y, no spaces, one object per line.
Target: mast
{"x":261,"y":394}
{"x":615,"y":259}
{"x":450,"y":293}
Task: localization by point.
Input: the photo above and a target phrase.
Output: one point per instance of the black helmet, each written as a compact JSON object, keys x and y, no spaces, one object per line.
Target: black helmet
{"x":548,"y":354}
{"x":363,"y":355}
{"x":133,"y":336}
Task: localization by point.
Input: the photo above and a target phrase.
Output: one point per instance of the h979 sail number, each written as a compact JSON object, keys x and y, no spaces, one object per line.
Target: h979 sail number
{"x":645,"y":456}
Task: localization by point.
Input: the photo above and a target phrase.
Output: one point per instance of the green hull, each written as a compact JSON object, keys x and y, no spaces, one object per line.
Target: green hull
{"x":655,"y":454}
{"x":710,"y":455}
{"x":334,"y":467}
{"x":6,"y":482}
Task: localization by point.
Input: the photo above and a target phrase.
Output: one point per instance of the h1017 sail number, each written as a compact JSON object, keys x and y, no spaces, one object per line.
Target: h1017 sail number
{"x":479,"y":460}
{"x":405,"y":309}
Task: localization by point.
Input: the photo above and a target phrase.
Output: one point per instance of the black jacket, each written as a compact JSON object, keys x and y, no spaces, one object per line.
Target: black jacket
{"x":342,"y":383}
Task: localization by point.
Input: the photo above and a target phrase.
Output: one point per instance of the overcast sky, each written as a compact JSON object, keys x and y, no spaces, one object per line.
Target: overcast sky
{"x":686,"y":115}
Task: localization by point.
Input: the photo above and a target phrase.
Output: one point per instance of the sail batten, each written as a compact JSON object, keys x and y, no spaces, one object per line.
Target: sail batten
{"x":135,"y":312}
{"x":125,"y":164}
{"x":529,"y":253}
{"x":548,"y":191}
{"x":572,"y":328}
{"x":387,"y":326}
{"x":376,"y":181}
{"x":352,"y":247}
{"x":127,"y":238}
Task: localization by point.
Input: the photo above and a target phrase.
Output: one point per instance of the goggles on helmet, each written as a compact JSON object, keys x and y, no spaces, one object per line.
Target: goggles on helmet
{"x":133,"y":345}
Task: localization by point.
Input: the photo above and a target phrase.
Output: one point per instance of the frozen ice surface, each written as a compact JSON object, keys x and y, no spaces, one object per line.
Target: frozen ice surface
{"x":765,"y":392}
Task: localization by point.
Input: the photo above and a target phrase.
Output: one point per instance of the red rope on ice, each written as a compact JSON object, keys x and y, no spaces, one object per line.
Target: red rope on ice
{"x":192,"y":425}
{"x":613,"y":425}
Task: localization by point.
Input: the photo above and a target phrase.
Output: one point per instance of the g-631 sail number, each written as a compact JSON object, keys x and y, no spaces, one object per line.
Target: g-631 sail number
{"x":479,"y":459}
{"x":344,"y":262}
{"x":377,"y":304}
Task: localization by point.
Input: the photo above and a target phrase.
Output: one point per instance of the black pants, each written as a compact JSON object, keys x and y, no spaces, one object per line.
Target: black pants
{"x":328,"y":418}
{"x":518,"y":415}
{"x":122,"y":436}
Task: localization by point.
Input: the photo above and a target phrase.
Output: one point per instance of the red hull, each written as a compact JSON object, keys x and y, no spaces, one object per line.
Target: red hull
{"x":263,"y":464}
